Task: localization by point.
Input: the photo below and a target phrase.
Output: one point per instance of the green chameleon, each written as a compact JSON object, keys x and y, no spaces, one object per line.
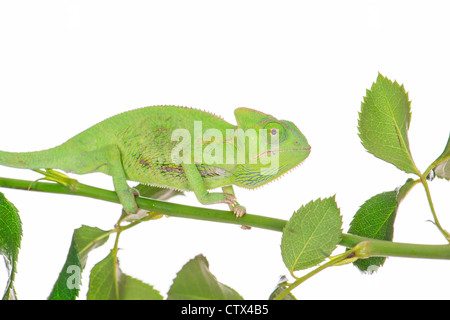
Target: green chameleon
{"x":140,"y":145}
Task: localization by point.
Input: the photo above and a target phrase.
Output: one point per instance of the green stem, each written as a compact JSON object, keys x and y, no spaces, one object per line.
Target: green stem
{"x":381,"y":248}
{"x":116,"y":269}
{"x":300,"y":280}
{"x":375,"y":247}
{"x":433,"y":212}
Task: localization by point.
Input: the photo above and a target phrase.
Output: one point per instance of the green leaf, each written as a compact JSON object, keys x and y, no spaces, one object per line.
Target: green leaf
{"x":103,"y":279}
{"x":10,"y":237}
{"x":133,"y":289}
{"x":442,"y":163}
{"x":311,"y":234}
{"x":195,"y":282}
{"x":281,"y":286}
{"x":375,"y":219}
{"x":384,"y":122}
{"x":84,"y":240}
{"x":404,"y":190}
{"x":108,"y":282}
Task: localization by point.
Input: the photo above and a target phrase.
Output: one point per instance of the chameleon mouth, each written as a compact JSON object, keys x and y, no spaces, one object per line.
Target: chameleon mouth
{"x":275,"y":151}
{"x":278,"y":174}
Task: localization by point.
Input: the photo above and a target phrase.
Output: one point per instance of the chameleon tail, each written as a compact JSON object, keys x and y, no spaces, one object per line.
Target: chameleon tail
{"x":44,"y":159}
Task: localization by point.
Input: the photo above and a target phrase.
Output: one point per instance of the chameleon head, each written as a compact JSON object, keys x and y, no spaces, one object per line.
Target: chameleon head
{"x":280,"y":147}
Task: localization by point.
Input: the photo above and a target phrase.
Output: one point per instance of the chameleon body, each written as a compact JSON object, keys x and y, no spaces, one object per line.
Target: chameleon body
{"x":138,"y":145}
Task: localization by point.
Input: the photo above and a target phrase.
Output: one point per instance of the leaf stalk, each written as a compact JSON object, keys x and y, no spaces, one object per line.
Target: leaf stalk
{"x":433,"y":211}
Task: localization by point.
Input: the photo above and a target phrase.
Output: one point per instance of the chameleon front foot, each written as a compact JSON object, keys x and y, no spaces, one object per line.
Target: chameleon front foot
{"x":238,"y":210}
{"x":228,"y":198}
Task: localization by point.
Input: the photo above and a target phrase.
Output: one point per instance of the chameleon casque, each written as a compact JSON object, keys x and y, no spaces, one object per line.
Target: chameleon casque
{"x":137,"y":145}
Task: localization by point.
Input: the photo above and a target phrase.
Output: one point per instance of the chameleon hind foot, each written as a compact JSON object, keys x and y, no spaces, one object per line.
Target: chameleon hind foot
{"x":128,"y":200}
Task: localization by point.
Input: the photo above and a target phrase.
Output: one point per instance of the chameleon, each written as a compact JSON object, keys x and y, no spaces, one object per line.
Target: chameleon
{"x":139,"y":145}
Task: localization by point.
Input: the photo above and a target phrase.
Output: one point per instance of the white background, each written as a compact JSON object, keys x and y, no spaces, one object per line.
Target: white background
{"x":66,"y":65}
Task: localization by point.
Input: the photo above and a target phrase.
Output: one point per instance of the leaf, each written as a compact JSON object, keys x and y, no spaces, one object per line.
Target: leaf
{"x":10,"y":238}
{"x":281,"y":286}
{"x":404,"y":189}
{"x":133,"y":289}
{"x":442,"y":170}
{"x":108,"y":282}
{"x":84,"y":240}
{"x":375,"y":219}
{"x":384,"y":122}
{"x":442,"y":163}
{"x":311,"y":234}
{"x":195,"y":282}
{"x":102,"y":279}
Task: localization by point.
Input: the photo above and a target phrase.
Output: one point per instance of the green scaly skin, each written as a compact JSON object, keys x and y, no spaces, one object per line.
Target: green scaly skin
{"x":137,"y":146}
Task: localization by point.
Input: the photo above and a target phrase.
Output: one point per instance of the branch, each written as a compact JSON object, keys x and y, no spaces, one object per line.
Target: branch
{"x":372,"y":247}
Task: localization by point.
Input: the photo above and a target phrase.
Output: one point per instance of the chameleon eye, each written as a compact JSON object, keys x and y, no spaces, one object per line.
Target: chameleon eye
{"x":275,"y":132}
